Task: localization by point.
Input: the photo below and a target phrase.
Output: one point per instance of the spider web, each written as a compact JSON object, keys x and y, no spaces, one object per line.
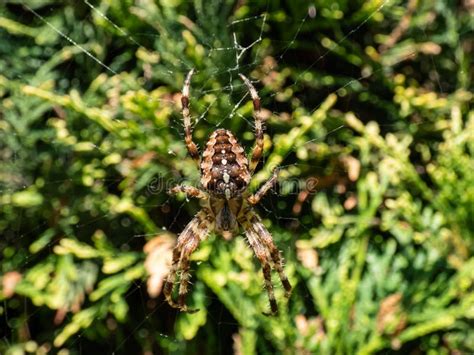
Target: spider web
{"x":246,"y":57}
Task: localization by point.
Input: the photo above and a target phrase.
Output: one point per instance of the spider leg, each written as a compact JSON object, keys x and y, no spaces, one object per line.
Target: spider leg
{"x":257,"y":114}
{"x":185,"y":275}
{"x":188,"y":241}
{"x":267,"y":240}
{"x":252,"y":222}
{"x":190,"y":191}
{"x":169,"y":282}
{"x":263,"y":257}
{"x":262,"y":243}
{"x":255,"y":198}
{"x":188,"y":137}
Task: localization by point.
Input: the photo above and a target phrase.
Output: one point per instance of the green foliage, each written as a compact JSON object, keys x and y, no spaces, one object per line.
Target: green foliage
{"x":369,"y":108}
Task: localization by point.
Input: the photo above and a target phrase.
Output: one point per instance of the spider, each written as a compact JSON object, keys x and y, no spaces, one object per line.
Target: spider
{"x":226,"y":203}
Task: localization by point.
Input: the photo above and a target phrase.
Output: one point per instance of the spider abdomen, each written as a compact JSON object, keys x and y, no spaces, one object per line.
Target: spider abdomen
{"x":224,"y":165}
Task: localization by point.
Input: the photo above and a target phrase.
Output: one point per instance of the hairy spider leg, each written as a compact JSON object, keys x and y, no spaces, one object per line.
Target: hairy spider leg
{"x":190,"y":191}
{"x":188,"y":241}
{"x":262,"y":243}
{"x":267,"y":240}
{"x":263,"y":257}
{"x":257,"y":114}
{"x":188,"y":132}
{"x":255,"y":198}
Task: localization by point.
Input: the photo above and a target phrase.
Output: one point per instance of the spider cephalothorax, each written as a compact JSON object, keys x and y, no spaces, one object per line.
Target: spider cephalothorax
{"x":227,"y":204}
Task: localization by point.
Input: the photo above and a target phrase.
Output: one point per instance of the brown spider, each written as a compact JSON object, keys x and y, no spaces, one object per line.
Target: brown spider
{"x":227,"y":204}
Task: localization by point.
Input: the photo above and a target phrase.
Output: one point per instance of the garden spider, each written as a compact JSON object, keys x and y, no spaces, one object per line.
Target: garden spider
{"x":227,"y":204}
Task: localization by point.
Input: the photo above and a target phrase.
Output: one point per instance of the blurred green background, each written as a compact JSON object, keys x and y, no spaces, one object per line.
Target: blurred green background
{"x":369,"y":114}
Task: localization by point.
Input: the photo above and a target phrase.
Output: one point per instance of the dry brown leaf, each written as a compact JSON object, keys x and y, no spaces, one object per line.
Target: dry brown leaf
{"x":391,"y":319}
{"x":353,"y":167}
{"x":429,"y":48}
{"x":60,"y":315}
{"x":237,"y":346}
{"x":159,"y":252}
{"x":312,"y":327}
{"x":301,"y":324}
{"x":308,"y":257}
{"x":9,"y":282}
{"x":143,"y":159}
{"x":350,"y":202}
